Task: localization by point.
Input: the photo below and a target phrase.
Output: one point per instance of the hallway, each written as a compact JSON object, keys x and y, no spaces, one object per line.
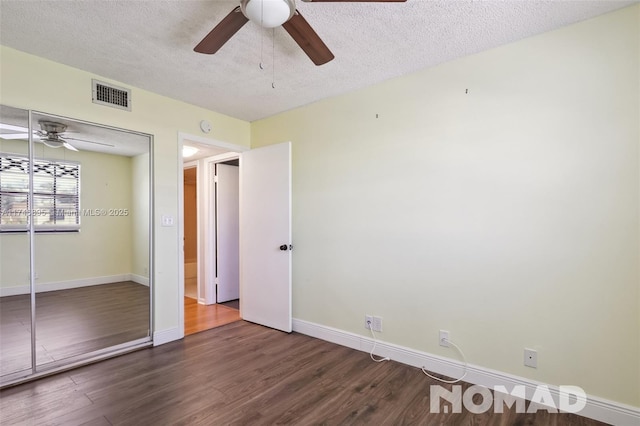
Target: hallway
{"x":199,"y":317}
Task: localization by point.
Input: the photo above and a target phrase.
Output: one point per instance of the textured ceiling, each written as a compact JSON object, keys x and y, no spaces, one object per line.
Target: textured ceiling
{"x":149,"y":44}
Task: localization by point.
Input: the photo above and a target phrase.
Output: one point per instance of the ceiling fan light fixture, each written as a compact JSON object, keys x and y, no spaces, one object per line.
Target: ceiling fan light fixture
{"x":268,"y":13}
{"x":52,"y":143}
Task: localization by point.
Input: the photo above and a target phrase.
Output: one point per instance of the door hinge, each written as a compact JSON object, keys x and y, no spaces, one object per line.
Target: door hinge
{"x":215,"y":178}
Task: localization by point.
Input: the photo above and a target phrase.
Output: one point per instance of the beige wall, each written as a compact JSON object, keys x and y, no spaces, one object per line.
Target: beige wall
{"x":26,"y":81}
{"x":103,"y":246}
{"x":507,"y":215}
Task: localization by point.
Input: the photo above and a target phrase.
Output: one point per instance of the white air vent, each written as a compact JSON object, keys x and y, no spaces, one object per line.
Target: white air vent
{"x":110,"y":95}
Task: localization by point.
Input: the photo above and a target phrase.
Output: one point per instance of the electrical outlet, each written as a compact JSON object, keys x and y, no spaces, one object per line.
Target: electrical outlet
{"x":368,"y":322}
{"x":377,"y":324}
{"x":530,"y":358}
{"x":443,"y":338}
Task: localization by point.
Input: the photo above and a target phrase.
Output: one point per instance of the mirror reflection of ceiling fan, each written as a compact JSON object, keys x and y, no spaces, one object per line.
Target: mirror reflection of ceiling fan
{"x":271,"y":14}
{"x":50,"y":134}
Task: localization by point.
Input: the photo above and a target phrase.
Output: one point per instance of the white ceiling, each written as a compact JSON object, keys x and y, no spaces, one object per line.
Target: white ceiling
{"x":149,"y":44}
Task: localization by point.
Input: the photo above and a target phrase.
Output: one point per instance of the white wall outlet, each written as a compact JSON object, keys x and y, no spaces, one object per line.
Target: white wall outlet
{"x":530,"y":358}
{"x":368,"y":322}
{"x":377,"y":324}
{"x":443,"y":338}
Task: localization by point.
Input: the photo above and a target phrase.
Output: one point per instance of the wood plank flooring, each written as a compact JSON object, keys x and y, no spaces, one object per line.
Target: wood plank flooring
{"x":71,"y":322}
{"x":199,"y":317}
{"x":244,"y":374}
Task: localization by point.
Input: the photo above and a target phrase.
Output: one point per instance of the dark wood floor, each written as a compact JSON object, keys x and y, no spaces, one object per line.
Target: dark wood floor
{"x":71,"y":322}
{"x":243,"y":374}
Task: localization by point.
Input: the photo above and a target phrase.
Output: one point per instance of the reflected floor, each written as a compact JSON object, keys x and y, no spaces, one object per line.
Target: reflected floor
{"x":71,"y":322}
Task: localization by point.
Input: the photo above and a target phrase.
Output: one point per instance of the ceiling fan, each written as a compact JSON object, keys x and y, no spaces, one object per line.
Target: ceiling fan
{"x":271,"y":14}
{"x":50,"y":136}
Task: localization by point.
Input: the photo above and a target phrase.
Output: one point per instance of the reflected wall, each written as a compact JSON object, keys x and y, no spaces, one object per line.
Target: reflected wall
{"x":15,"y":308}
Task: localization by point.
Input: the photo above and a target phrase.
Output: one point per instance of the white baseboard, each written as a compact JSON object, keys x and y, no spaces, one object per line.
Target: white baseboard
{"x":139,"y":279}
{"x":190,"y":269}
{"x":65,"y":285}
{"x":596,"y":408}
{"x":165,"y":336}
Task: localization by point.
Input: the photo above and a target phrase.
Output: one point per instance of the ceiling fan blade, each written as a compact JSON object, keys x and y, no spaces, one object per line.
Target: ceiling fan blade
{"x":94,"y":142}
{"x":300,"y":30}
{"x":222,"y":32}
{"x":69,"y":146}
{"x":9,"y":136}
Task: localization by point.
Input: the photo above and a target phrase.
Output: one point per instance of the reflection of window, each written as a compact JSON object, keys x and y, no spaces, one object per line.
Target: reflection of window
{"x":56,"y":194}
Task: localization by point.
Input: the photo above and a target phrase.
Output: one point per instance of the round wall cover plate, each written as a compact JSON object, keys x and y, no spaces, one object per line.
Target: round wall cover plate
{"x":205,"y":126}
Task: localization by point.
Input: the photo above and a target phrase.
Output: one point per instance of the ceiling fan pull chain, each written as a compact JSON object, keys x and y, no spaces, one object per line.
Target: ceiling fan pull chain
{"x":261,"y":50}
{"x":261,"y":37}
{"x":273,"y":64}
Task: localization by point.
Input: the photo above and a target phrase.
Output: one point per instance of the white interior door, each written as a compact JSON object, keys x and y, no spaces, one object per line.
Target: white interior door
{"x":227,"y":232}
{"x":265,"y":236}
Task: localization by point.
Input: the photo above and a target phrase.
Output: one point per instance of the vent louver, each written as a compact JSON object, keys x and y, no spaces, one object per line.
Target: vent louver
{"x":110,"y":95}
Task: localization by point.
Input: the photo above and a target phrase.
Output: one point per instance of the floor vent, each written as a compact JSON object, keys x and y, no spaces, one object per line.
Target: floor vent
{"x":110,"y":95}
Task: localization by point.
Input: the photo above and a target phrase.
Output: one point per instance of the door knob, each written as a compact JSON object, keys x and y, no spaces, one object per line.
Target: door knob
{"x":284,"y":247}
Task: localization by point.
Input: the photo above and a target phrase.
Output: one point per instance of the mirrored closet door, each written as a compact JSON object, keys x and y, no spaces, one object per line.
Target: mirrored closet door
{"x":15,"y":295}
{"x":75,"y":242}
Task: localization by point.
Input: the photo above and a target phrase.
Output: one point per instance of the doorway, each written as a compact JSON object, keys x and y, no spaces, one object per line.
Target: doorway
{"x":225,"y":221}
{"x":265,"y":241}
{"x":210,"y":235}
{"x":190,"y":232}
